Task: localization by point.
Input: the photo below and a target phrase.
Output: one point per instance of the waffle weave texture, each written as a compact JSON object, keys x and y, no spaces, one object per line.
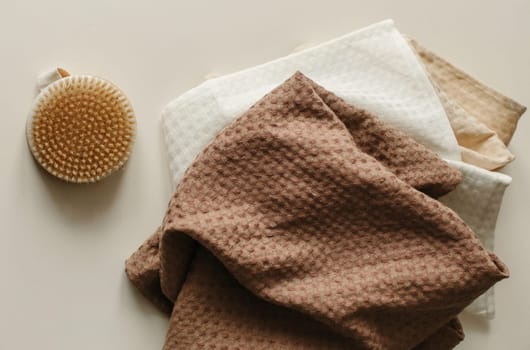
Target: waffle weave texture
{"x":478,"y":199}
{"x":496,"y":111}
{"x":309,"y":223}
{"x":483,"y":119}
{"x":373,"y":68}
{"x":480,"y":211}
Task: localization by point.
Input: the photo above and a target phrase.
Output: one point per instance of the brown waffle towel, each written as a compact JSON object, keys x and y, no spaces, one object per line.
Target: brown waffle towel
{"x":310,"y":224}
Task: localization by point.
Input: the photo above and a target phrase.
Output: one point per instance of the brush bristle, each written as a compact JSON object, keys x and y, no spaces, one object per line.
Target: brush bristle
{"x":82,"y":129}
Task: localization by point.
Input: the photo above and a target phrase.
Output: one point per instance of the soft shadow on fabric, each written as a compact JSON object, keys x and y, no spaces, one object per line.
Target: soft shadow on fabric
{"x":475,"y":323}
{"x":142,"y":304}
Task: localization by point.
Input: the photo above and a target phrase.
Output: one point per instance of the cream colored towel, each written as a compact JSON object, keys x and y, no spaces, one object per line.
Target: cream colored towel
{"x":373,"y":68}
{"x":483,"y":119}
{"x":477,"y":200}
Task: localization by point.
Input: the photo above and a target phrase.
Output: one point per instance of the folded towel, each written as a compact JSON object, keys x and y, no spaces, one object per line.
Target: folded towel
{"x":482,"y":119}
{"x":480,"y":145}
{"x":373,"y":68}
{"x":314,"y":207}
{"x":479,"y":210}
{"x":472,"y":108}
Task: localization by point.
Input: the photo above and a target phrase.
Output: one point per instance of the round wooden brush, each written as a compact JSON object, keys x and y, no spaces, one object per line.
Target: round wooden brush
{"x":81,"y":129}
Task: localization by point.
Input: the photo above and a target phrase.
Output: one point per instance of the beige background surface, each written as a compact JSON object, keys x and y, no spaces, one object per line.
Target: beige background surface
{"x":62,"y":247}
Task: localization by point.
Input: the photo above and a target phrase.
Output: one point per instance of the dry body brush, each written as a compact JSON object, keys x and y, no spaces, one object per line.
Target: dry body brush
{"x":81,"y":129}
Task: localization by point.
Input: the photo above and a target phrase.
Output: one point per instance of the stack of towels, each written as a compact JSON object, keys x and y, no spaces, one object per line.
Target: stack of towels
{"x":342,"y":197}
